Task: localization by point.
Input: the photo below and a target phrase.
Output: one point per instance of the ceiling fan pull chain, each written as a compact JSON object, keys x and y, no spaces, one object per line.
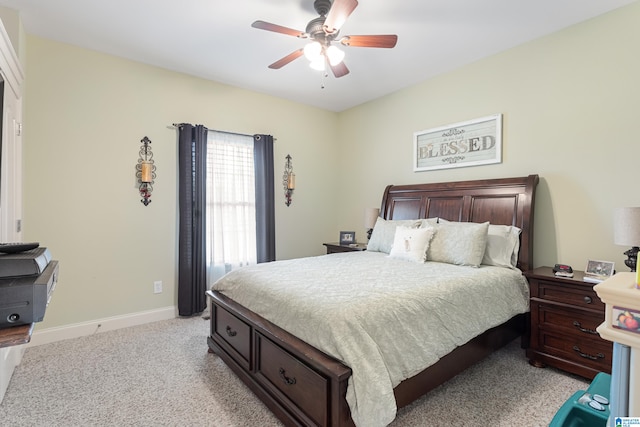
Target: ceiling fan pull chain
{"x":323,"y":78}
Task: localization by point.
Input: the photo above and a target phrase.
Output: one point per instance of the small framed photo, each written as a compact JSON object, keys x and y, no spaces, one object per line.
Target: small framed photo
{"x":347,"y":237}
{"x":599,"y":270}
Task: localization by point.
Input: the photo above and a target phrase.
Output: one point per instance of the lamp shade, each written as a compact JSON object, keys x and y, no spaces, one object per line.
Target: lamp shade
{"x":370,"y":217}
{"x":318,"y":63}
{"x":626,"y":226}
{"x":312,"y":51}
{"x":334,"y":55}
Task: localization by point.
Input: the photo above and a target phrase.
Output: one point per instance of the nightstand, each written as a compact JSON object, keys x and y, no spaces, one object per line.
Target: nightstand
{"x":565,"y":313}
{"x":333,"y":248}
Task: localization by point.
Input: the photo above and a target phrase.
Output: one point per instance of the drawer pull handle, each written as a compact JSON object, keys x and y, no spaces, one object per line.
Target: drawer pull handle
{"x":587,"y":356}
{"x":588,"y":331}
{"x":286,"y":379}
{"x":231,"y":332}
{"x":587,"y":300}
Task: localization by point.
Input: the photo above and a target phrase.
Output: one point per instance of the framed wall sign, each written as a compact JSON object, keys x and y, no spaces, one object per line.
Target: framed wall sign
{"x":471,"y":143}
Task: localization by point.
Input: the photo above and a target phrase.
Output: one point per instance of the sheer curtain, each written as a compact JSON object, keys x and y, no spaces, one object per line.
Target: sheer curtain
{"x":231,"y":203}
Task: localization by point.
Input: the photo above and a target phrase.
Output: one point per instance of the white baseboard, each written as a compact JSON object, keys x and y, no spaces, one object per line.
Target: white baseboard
{"x":49,"y":335}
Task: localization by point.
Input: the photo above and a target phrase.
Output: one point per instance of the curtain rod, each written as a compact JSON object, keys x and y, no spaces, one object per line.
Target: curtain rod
{"x":176,"y":125}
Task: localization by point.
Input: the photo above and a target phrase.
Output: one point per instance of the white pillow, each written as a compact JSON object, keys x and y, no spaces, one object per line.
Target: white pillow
{"x":460,"y":243}
{"x":503,"y":245}
{"x":384,"y":232}
{"x":411,"y":244}
{"x":428,"y":222}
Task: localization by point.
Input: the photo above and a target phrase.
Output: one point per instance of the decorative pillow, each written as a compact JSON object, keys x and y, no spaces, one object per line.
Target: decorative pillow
{"x":411,"y":244}
{"x":384,"y":232}
{"x":461,"y":243}
{"x":428,"y":222}
{"x":503,"y":245}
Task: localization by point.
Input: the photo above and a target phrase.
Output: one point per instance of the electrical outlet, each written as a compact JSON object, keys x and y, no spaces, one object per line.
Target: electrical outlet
{"x":157,"y":287}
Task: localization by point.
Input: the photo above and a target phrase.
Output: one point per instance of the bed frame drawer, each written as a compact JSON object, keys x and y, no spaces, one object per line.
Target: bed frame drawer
{"x":291,"y":380}
{"x":233,"y":334}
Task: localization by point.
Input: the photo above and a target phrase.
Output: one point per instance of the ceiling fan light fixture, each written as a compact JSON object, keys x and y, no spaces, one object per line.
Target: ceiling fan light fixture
{"x":334,"y":55}
{"x":313,"y":51}
{"x":321,"y":32}
{"x":318,"y":63}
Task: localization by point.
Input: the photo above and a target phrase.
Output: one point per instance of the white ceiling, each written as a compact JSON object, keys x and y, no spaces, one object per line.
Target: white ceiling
{"x":213,"y":39}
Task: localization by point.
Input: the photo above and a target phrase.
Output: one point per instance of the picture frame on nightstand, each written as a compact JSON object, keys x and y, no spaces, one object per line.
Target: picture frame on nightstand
{"x":347,"y":237}
{"x":598,"y":271}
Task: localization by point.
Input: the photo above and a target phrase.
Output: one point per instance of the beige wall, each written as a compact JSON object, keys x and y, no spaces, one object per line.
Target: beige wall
{"x":569,"y":103}
{"x":85,"y":114}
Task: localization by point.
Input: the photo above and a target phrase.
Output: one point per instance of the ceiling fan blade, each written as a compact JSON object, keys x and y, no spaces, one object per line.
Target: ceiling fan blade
{"x":338,"y":14}
{"x":284,"y":61}
{"x":262,"y":25}
{"x":387,"y":41}
{"x":339,"y":70}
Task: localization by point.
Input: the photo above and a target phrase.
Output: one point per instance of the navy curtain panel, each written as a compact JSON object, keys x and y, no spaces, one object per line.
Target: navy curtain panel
{"x":192,"y":174}
{"x":265,"y":198}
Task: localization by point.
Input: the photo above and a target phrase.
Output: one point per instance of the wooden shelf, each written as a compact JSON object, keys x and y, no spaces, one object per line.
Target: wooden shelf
{"x":16,"y":335}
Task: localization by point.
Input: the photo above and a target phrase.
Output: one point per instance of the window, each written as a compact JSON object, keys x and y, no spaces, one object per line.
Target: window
{"x":231,"y":203}
{"x":221,"y":229}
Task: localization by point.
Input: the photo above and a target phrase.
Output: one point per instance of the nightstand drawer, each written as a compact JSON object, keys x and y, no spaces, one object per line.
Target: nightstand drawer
{"x":572,"y":321}
{"x":585,"y":351}
{"x":579,"y":297}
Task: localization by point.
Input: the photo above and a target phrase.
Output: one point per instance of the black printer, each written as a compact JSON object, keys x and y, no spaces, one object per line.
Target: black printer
{"x":27,"y":280}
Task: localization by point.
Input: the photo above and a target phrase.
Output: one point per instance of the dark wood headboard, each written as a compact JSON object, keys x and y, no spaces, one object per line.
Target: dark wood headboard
{"x":506,"y":201}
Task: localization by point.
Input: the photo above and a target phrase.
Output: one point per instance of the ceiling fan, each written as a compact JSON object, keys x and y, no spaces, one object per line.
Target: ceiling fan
{"x":323,"y":31}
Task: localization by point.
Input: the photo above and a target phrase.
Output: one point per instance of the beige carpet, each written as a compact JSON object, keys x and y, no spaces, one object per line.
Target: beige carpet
{"x":160,"y":374}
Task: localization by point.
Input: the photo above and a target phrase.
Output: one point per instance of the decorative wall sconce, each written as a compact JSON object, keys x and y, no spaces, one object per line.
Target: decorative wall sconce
{"x":145,"y":171}
{"x":288,"y":180}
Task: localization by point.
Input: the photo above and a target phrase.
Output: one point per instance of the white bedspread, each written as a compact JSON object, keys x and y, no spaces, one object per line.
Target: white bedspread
{"x":386,"y":319}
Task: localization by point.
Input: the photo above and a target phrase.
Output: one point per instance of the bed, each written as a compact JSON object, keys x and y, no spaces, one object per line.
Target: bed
{"x":308,"y":373}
